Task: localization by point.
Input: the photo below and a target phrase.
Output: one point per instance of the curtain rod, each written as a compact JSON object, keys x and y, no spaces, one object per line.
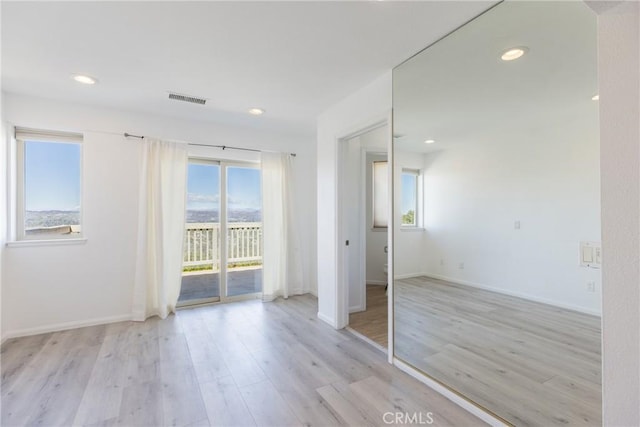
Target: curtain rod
{"x":224,"y":147}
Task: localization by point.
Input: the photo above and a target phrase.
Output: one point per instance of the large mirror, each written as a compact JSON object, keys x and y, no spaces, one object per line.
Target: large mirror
{"x":497,"y":286}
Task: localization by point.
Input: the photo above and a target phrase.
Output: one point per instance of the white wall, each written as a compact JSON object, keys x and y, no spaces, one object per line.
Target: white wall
{"x":369,"y":105}
{"x":619,"y":81}
{"x":52,"y":287}
{"x":56,"y":286}
{"x":547,"y":178}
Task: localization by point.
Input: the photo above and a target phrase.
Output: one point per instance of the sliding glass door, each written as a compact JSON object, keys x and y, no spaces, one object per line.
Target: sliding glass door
{"x":244,"y":230}
{"x":222,"y":256}
{"x":201,"y":254}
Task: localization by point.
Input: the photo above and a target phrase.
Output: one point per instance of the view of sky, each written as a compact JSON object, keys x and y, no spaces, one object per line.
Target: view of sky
{"x":409,"y":192}
{"x":52,"y":176}
{"x":203,"y":187}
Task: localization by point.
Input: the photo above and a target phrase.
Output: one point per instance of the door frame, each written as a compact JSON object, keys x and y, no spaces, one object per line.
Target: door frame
{"x":342,"y":288}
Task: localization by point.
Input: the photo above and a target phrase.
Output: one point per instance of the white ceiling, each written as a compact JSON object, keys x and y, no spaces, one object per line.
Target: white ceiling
{"x":293,"y":59}
{"x":459,"y":91}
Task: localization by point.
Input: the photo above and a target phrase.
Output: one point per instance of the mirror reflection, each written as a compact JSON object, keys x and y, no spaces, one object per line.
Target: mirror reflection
{"x":497,"y":282}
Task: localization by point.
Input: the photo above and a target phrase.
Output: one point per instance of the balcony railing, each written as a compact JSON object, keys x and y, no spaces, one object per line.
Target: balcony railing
{"x":202,"y":245}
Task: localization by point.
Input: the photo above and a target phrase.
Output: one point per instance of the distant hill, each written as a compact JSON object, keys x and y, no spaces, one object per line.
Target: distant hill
{"x":234,"y":215}
{"x":53,"y":218}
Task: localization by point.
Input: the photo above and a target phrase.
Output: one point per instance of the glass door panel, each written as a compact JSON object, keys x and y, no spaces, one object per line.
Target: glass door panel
{"x":201,"y":256}
{"x":244,"y":230}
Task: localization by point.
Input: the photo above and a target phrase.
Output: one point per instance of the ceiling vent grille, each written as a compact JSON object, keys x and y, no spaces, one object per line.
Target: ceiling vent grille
{"x":187,"y":98}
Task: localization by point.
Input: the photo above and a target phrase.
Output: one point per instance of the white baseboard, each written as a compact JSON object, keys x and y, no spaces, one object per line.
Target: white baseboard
{"x":455,"y":398}
{"x":327,"y":320}
{"x":513,"y":294}
{"x":410,"y":275}
{"x":56,"y":327}
{"x":356,"y":308}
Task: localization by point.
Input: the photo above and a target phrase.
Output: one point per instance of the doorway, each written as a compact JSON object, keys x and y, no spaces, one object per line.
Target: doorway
{"x":222,"y":255}
{"x":365,"y":221}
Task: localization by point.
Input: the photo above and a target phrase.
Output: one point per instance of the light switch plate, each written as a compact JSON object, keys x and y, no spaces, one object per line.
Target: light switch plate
{"x":590,"y":254}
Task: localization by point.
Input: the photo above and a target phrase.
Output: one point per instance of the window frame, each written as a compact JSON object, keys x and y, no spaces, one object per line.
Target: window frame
{"x":21,"y":137}
{"x":417,"y":215}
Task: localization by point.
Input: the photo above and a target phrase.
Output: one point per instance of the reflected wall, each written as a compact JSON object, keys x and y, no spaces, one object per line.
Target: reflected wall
{"x":497,"y":286}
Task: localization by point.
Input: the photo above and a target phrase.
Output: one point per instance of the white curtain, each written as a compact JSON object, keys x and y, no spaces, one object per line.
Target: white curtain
{"x":282,"y":271}
{"x":163,"y":187}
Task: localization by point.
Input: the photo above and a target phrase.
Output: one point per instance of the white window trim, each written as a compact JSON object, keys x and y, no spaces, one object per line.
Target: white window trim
{"x":16,"y":205}
{"x":417,"y":218}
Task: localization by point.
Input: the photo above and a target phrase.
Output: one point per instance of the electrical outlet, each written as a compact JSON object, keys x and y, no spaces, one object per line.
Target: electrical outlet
{"x":516,"y":225}
{"x":441,"y":262}
{"x":461,"y":266}
{"x":591,"y":286}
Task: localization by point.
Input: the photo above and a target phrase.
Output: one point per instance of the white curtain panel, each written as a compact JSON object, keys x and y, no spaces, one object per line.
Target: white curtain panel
{"x":163,"y":187}
{"x":282,"y":271}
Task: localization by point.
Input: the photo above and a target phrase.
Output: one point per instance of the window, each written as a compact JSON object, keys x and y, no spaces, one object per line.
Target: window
{"x":380,"y":194}
{"x":410,"y":188}
{"x":48,"y":185}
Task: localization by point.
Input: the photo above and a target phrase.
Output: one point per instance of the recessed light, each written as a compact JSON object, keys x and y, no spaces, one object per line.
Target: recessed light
{"x":256,"y":111}
{"x":514,"y":53}
{"x":595,"y":97}
{"x":84,"y":79}
{"x":430,"y":141}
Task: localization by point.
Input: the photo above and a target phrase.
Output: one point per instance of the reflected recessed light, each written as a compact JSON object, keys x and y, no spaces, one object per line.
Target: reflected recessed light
{"x":430,"y":141}
{"x":256,"y":111}
{"x":84,"y":79}
{"x":513,"y":53}
{"x":595,"y":97}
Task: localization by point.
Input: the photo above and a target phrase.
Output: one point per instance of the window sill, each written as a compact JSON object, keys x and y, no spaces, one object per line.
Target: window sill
{"x":412,"y":229}
{"x":50,"y":242}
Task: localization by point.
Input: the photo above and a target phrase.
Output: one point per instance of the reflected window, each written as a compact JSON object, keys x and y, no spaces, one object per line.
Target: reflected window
{"x":410,"y":180}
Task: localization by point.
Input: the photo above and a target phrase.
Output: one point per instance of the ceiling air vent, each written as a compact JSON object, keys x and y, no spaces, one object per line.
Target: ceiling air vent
{"x":187,"y":98}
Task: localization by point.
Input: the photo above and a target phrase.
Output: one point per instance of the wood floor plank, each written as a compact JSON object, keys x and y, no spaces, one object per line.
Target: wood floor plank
{"x":347,"y":407}
{"x":16,"y":354}
{"x":103,"y":395}
{"x":372,"y":323}
{"x":181,"y":397}
{"x":267,"y":406}
{"x":61,"y":398}
{"x":142,"y":405}
{"x":224,"y":404}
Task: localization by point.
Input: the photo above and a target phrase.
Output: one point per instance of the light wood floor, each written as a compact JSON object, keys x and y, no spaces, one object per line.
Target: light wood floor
{"x":244,"y":364}
{"x":530,"y":363}
{"x":372,"y":323}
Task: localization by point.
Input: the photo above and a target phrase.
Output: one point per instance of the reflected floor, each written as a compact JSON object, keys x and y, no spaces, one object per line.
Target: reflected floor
{"x":207,"y":284}
{"x":531,"y":363}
